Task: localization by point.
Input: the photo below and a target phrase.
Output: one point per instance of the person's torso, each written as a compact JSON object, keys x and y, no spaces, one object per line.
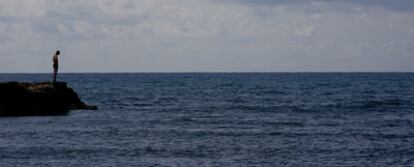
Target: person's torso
{"x":55,"y":61}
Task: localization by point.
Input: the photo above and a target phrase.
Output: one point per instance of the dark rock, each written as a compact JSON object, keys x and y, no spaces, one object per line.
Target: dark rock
{"x":38,"y":99}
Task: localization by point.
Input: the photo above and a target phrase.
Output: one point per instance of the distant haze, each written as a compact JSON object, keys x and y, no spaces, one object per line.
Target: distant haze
{"x":207,"y":35}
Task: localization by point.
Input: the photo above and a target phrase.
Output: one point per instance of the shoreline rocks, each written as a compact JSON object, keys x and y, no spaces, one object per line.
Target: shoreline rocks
{"x":39,"y":99}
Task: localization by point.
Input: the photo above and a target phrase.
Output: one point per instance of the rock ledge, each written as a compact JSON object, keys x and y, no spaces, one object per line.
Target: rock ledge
{"x":39,"y":99}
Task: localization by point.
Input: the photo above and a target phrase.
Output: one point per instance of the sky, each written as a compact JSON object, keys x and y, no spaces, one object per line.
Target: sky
{"x":207,"y":35}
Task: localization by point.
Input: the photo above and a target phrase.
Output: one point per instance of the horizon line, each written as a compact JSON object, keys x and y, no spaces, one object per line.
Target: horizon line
{"x":207,"y":72}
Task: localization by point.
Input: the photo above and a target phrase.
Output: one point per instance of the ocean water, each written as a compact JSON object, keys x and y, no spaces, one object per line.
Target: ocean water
{"x":202,"y":119}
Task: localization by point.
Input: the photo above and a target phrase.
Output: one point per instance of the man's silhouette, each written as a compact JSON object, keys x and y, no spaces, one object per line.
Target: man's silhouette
{"x":55,"y":65}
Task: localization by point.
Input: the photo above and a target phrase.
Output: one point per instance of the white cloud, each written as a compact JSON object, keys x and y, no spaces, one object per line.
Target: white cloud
{"x":192,"y":35}
{"x":18,"y":8}
{"x":62,"y":28}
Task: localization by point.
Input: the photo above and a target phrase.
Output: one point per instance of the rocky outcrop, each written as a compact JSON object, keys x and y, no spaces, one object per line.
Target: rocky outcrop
{"x":39,"y":99}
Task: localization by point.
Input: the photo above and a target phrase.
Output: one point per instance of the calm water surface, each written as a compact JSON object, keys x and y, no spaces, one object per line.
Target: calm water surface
{"x":251,"y":119}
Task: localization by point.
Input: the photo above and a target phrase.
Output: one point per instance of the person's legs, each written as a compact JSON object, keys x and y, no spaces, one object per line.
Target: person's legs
{"x":55,"y":74}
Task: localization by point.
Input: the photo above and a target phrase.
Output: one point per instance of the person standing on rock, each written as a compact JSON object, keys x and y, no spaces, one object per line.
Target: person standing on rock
{"x":55,"y":65}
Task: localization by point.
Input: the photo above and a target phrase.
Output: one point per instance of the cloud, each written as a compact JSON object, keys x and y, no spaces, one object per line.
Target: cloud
{"x":401,"y":5}
{"x":192,"y":35}
{"x":22,"y":8}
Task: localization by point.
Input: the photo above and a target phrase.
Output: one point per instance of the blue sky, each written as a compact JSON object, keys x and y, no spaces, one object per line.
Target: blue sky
{"x":207,"y":35}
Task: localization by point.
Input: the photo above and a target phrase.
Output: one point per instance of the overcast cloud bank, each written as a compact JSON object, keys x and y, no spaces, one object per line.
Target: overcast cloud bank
{"x":207,"y":35}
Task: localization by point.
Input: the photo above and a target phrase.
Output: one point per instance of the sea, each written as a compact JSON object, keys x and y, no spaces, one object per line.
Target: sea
{"x":220,"y":119}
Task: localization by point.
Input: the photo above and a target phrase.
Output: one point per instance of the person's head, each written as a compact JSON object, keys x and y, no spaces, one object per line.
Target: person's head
{"x":58,"y":52}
